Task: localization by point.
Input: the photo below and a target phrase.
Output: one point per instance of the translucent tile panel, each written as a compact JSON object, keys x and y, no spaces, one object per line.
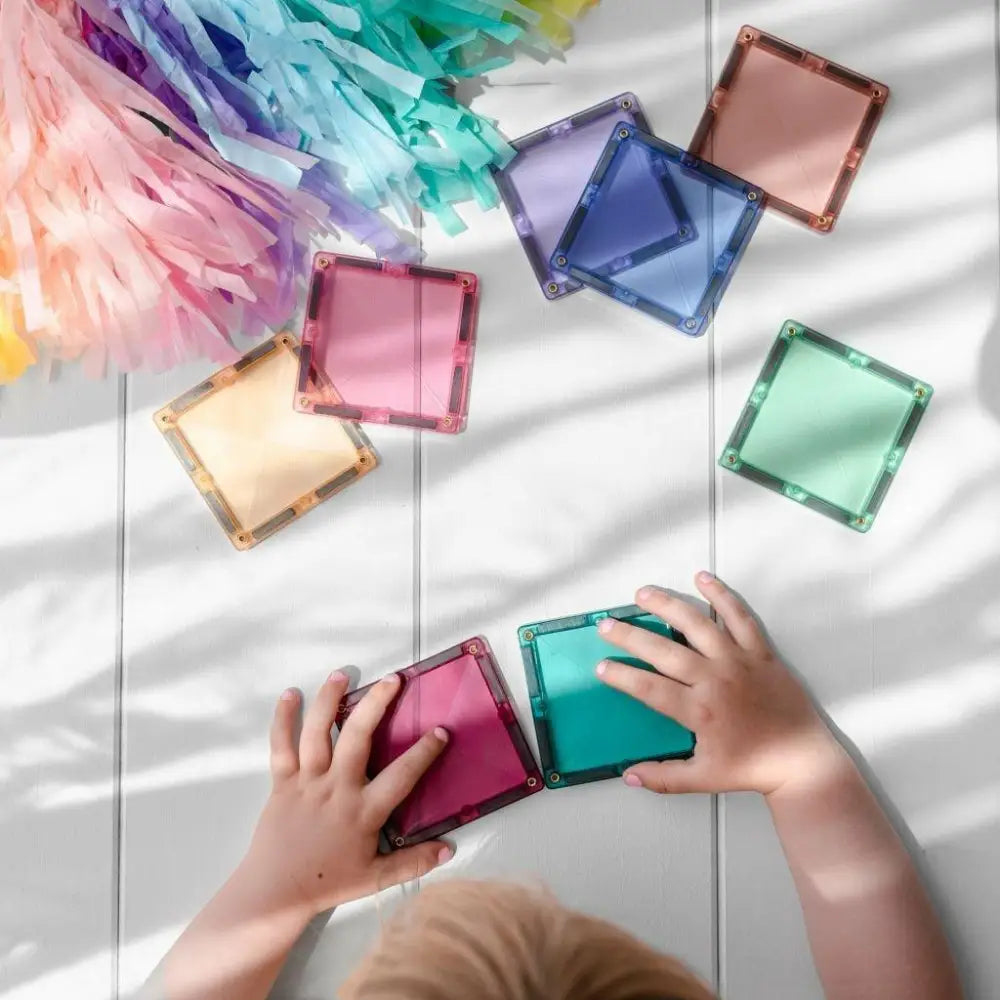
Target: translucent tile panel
{"x":388,"y":343}
{"x":487,"y":764}
{"x":258,"y":463}
{"x":543,"y":183}
{"x":587,"y":731}
{"x":659,"y":230}
{"x":791,"y":122}
{"x":826,"y":426}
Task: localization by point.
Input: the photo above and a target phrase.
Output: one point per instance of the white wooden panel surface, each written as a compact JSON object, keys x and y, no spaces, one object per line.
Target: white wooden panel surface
{"x":586,"y":471}
{"x":583,"y":474}
{"x":897,"y":631}
{"x":59,"y":461}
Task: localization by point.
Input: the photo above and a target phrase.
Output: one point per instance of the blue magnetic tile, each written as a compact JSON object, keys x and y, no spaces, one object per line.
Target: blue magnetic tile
{"x":659,"y":230}
{"x":542,"y":184}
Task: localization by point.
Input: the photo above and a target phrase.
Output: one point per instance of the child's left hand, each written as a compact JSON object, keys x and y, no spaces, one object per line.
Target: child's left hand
{"x":316,"y":843}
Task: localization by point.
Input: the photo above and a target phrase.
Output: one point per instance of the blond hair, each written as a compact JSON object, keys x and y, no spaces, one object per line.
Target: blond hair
{"x":496,"y":941}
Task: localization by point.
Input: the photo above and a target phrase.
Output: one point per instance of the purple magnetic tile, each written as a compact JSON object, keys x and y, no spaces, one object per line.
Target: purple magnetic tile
{"x":388,"y":343}
{"x":543,"y":183}
{"x":487,"y":763}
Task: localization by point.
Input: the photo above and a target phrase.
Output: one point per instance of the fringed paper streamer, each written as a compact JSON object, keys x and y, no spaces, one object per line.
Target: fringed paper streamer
{"x":363,"y":85}
{"x":111,"y":39}
{"x":117,"y":242}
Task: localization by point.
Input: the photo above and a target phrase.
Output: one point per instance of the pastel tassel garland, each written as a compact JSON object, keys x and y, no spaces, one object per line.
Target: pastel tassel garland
{"x":112,"y":41}
{"x":363,"y":85}
{"x":118,"y":243}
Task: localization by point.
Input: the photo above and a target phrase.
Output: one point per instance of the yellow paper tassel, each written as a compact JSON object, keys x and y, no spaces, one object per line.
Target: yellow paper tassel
{"x":556,"y":16}
{"x":15,"y":355}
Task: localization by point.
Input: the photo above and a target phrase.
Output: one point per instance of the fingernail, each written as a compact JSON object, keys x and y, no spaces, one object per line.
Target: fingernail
{"x":632,"y":780}
{"x":441,"y":733}
{"x":289,"y":694}
{"x":392,"y":679}
{"x":705,"y":577}
{"x":645,"y":593}
{"x":445,"y":855}
{"x":605,"y":625}
{"x":337,"y":675}
{"x":601,"y":667}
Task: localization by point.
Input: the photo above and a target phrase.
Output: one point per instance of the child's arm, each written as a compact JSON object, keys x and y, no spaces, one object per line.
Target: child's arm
{"x":315,"y":846}
{"x":873,"y":931}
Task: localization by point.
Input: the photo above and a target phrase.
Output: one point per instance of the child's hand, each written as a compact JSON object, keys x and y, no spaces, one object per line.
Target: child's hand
{"x":316,"y":843}
{"x":756,"y":728}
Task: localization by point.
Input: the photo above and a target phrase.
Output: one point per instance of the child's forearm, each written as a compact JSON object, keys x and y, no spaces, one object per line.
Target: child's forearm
{"x":236,"y":946}
{"x":872,"y":929}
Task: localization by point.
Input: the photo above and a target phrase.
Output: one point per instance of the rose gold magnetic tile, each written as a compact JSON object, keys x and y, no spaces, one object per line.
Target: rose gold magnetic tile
{"x":792,"y":123}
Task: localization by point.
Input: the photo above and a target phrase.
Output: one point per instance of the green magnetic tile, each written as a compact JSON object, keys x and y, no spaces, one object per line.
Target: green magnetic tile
{"x":586,"y":730}
{"x":826,"y":426}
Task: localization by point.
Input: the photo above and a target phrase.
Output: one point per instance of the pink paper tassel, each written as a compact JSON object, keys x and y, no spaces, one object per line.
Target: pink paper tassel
{"x":117,"y":243}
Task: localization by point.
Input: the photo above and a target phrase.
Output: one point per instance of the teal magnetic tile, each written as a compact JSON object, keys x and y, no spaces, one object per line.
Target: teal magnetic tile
{"x":586,"y":730}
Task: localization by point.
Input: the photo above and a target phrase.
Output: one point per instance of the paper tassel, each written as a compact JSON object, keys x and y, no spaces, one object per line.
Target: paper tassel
{"x":363,"y":85}
{"x":118,"y":243}
{"x":15,"y":355}
{"x":555,"y":18}
{"x":112,"y":41}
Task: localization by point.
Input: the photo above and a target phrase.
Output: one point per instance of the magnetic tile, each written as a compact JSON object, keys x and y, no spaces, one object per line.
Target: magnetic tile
{"x":659,"y":230}
{"x":487,"y":763}
{"x":259,"y":464}
{"x":826,"y":426}
{"x":791,"y":122}
{"x":543,"y":183}
{"x":388,"y":343}
{"x":586,"y":730}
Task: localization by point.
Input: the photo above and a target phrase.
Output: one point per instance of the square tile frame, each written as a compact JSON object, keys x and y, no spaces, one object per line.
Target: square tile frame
{"x":246,"y":536}
{"x":749,"y":37}
{"x":625,"y":106}
{"x":317,"y":392}
{"x":527,"y":637}
{"x":859,"y":520}
{"x":725,"y":262}
{"x":479,"y":649}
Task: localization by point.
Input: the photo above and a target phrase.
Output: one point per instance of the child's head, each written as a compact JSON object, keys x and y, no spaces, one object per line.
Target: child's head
{"x":496,"y":941}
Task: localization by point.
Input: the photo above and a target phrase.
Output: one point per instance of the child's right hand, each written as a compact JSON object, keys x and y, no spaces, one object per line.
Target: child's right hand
{"x":756,"y":728}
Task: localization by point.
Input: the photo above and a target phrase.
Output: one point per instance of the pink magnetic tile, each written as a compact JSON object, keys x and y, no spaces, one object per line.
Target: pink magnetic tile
{"x":388,"y":343}
{"x":792,"y":123}
{"x":487,"y":763}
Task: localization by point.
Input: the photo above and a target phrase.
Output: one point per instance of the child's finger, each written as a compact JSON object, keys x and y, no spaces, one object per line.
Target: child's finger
{"x":354,"y":745}
{"x":392,"y":785}
{"x":316,"y":742}
{"x":734,"y":613}
{"x":700,"y":631}
{"x":663,"y":695}
{"x":284,"y":756}
{"x":670,"y":658}
{"x":668,"y":777}
{"x":413,"y":862}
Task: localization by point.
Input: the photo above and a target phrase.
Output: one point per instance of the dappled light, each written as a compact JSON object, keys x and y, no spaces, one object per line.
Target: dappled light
{"x":141,"y":655}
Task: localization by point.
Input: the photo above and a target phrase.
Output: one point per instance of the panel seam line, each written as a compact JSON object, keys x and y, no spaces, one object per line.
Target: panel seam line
{"x":118,"y":744}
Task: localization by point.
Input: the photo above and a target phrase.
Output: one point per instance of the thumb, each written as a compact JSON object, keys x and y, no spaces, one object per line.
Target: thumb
{"x":669,"y":777}
{"x":411,"y":863}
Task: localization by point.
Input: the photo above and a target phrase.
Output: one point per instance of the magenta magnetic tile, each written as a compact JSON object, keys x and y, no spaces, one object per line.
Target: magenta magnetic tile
{"x":543,"y":183}
{"x":487,"y":764}
{"x":791,"y":122}
{"x":388,"y":343}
